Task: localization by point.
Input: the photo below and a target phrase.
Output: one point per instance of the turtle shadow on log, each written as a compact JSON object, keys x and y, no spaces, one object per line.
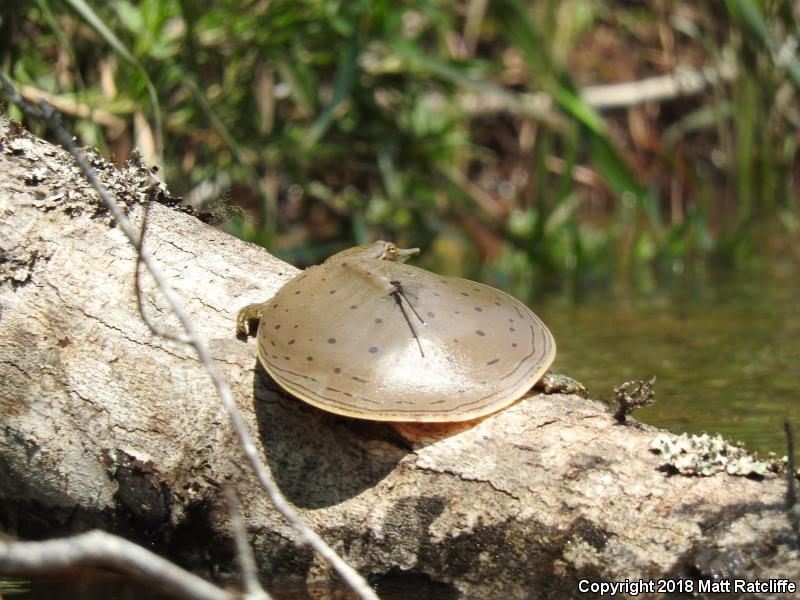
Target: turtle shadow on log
{"x":319,"y":459}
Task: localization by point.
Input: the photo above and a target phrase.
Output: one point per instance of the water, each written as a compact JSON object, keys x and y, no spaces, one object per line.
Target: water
{"x":725,"y":348}
{"x":80,"y":584}
{"x":96,"y":584}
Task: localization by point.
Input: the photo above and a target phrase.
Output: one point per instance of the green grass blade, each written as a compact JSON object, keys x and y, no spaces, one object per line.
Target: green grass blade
{"x":749,"y":15}
{"x":95,"y":22}
{"x":342,"y":85}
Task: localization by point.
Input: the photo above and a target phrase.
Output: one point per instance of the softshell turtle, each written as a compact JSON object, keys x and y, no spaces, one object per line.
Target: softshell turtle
{"x":366,"y":336}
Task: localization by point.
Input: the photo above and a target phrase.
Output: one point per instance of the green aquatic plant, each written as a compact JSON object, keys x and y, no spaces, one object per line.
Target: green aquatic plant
{"x":458,"y":124}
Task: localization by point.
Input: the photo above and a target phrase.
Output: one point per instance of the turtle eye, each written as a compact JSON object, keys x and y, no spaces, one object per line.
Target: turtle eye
{"x":392,"y":249}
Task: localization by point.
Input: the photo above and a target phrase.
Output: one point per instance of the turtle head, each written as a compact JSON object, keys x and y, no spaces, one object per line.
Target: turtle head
{"x":379,"y":250}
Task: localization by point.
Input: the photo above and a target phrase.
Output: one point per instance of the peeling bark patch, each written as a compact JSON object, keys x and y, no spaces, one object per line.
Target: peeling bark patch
{"x":18,"y":270}
{"x":141,"y":493}
{"x":42,"y":167}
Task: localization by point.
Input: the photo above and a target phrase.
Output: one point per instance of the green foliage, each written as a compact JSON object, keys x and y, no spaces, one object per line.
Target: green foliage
{"x":457,"y":125}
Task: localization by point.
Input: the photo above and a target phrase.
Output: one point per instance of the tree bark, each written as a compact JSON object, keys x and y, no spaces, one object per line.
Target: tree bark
{"x":104,"y":425}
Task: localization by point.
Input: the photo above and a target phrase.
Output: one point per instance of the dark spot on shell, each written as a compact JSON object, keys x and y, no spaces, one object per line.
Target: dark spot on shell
{"x":444,"y":281}
{"x":458,"y":312}
{"x":430,"y":315}
{"x":344,"y":264}
{"x":337,"y":370}
{"x":295,"y":326}
{"x":511,"y":329}
{"x":323,"y":279}
{"x":353,"y":307}
{"x":332,"y":292}
{"x":274,"y":356}
{"x":479,"y":332}
{"x":359,"y":380}
{"x":348,"y":394}
{"x":513,"y":344}
{"x":291,"y":342}
{"x":297,"y":292}
{"x":379,"y":320}
{"x":476,"y":289}
{"x":493,"y":361}
{"x":464,"y":294}
{"x":272,"y":342}
{"x":436,"y":293}
{"x":309,"y":358}
{"x":478,"y":309}
{"x":274,"y":306}
{"x":277,"y":326}
{"x":331,"y":340}
{"x":497,"y":304}
{"x":286,"y":358}
{"x":511,"y":320}
{"x":373,"y":349}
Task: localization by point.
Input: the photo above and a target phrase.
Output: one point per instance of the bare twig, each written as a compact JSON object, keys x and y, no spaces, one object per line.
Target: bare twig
{"x":539,"y":105}
{"x":244,"y":553}
{"x":681,"y":82}
{"x":155,"y":329}
{"x":633,"y":395}
{"x":792,"y":506}
{"x":46,"y":113}
{"x":101,"y":549}
{"x":791,"y":492}
{"x":74,"y":107}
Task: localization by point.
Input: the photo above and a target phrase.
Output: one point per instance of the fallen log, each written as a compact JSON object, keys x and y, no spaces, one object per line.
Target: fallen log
{"x":102,"y":424}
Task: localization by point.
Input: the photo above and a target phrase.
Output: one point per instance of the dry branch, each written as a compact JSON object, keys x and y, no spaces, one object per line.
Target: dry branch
{"x":100,"y":549}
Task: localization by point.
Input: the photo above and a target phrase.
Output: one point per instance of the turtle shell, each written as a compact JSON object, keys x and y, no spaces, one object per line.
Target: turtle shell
{"x":386,"y":341}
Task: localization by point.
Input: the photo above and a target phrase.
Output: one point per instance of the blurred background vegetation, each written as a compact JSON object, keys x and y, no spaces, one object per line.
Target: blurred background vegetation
{"x":472,"y":129}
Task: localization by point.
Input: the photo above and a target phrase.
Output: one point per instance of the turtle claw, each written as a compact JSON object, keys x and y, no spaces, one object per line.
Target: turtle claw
{"x":246,"y":317}
{"x":553,"y":383}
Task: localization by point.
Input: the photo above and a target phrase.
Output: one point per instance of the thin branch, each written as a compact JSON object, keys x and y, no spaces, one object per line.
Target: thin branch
{"x":348,"y":573}
{"x":73,"y":107}
{"x":792,"y":507}
{"x":679,"y":83}
{"x":539,"y":105}
{"x":244,"y":553}
{"x":791,"y":492}
{"x":137,"y":284}
{"x":101,"y":549}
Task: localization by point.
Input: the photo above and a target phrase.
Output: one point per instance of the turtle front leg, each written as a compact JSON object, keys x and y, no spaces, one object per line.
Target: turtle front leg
{"x":247,"y":316}
{"x":553,"y":383}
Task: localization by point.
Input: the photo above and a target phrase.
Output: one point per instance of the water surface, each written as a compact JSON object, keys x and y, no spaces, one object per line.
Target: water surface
{"x":725,"y":348}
